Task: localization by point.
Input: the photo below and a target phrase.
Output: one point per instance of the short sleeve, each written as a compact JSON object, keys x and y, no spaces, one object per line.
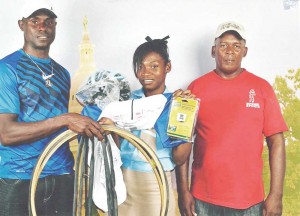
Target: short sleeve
{"x":273,"y":119}
{"x":9,"y":96}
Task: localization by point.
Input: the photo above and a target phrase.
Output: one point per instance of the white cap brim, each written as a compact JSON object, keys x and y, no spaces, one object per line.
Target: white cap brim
{"x":33,"y":6}
{"x":230,"y":26}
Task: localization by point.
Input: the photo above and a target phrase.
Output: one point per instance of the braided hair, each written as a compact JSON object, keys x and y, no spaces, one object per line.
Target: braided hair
{"x":157,"y":45}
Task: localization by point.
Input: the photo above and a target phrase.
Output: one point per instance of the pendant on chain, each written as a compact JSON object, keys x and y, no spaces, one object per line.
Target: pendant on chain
{"x":47,"y":79}
{"x":48,"y":83}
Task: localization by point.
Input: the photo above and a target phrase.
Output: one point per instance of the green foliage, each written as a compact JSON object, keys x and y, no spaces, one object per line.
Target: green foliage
{"x":287,"y":89}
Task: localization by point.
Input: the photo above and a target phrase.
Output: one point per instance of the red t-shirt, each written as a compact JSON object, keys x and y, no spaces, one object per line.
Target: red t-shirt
{"x":234,"y":116}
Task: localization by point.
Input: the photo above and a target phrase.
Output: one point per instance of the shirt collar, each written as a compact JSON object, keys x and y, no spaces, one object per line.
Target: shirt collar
{"x":140,"y":93}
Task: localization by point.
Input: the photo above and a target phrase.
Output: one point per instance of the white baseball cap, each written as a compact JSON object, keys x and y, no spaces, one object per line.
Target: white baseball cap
{"x":32,"y":7}
{"x":231,"y":26}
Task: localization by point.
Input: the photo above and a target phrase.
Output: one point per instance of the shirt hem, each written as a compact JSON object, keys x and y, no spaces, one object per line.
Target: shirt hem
{"x":230,"y":205}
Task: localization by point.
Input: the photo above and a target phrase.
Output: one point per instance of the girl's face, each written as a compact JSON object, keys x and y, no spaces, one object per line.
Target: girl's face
{"x":152,"y":73}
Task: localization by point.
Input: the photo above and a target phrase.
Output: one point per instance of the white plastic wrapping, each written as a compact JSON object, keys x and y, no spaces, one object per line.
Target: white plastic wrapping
{"x":103,"y":87}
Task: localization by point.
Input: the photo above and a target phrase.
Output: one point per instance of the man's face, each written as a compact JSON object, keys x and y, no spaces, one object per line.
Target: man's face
{"x":39,"y":31}
{"x":228,"y":52}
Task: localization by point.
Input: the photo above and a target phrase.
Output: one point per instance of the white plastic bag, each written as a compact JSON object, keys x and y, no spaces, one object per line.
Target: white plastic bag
{"x":99,"y":187}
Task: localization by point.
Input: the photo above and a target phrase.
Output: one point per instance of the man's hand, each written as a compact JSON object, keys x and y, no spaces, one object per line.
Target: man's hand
{"x":83,"y":125}
{"x":272,"y":206}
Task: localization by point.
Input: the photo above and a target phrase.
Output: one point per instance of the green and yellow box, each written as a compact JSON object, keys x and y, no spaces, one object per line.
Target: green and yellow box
{"x":182,"y":118}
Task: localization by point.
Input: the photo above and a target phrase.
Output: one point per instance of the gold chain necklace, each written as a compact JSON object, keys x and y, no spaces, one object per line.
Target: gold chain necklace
{"x":45,"y":77}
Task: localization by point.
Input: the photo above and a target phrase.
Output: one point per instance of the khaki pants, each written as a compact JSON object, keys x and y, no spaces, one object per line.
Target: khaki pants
{"x":143,"y":195}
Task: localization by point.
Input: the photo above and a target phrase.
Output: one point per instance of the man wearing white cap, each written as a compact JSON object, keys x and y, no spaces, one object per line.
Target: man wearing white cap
{"x":34,"y":96}
{"x":237,"y":110}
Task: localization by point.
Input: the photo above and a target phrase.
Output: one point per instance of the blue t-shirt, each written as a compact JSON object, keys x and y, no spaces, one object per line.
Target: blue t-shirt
{"x":130,"y":155}
{"x":23,"y":92}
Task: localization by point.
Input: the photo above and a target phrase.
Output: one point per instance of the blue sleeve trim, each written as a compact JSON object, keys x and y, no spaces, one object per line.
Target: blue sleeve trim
{"x":161,"y":126}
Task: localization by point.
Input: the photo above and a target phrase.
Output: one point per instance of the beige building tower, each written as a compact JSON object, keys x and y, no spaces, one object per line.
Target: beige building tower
{"x":86,"y":67}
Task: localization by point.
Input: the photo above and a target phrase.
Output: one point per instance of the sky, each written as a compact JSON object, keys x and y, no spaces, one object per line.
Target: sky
{"x":118,"y":27}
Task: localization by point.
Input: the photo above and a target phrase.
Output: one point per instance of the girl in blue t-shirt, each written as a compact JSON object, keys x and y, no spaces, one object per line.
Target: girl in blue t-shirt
{"x":151,"y":64}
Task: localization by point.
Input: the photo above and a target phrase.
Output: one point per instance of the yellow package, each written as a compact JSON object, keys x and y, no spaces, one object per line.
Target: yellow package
{"x":182,"y":118}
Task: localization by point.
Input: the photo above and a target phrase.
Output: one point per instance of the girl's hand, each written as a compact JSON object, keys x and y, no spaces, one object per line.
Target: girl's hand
{"x":184,"y":93}
{"x":106,"y":121}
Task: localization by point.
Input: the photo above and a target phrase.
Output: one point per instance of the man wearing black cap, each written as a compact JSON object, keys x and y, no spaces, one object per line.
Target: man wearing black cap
{"x":34,"y":96}
{"x":237,"y":110}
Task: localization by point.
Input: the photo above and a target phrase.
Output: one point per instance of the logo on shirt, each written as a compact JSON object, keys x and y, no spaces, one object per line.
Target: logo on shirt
{"x":251,"y":102}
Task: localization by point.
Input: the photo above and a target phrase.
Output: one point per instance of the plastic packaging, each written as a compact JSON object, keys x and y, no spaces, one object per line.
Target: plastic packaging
{"x":182,"y":118}
{"x":103,"y":87}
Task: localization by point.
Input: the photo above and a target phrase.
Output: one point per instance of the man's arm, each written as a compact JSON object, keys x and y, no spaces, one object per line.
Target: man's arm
{"x":185,"y":199}
{"x":273,"y":202}
{"x":13,"y":132}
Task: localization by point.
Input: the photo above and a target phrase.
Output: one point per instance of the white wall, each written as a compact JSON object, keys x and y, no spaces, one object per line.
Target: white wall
{"x":117,"y":27}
